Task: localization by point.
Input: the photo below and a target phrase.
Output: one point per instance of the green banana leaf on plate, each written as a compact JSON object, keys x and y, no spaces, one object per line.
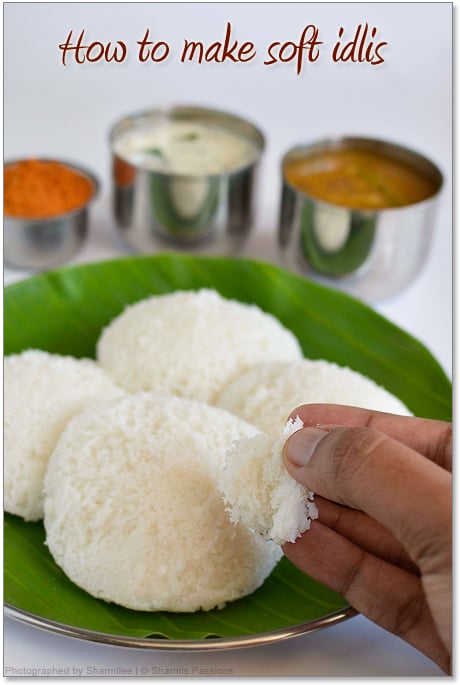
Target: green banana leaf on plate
{"x":64,"y":311}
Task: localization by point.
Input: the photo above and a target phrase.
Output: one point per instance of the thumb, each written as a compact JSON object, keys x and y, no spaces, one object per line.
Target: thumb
{"x":303,"y":447}
{"x":365,"y":469}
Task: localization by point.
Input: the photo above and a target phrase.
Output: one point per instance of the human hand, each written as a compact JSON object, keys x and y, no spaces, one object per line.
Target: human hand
{"x":383,"y":539}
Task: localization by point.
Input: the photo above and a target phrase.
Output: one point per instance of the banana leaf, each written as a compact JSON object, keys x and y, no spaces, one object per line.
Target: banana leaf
{"x":64,"y":311}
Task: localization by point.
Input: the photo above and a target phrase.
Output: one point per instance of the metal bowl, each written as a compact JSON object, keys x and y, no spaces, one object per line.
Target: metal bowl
{"x":208,"y":214}
{"x":47,"y":242}
{"x":372,"y":254}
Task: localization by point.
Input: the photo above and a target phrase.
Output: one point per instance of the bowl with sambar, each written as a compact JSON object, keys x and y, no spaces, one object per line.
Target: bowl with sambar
{"x":358,"y":213}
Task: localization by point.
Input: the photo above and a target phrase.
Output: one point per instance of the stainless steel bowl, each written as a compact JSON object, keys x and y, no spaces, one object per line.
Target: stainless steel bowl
{"x":370,"y":254}
{"x":208,"y":214}
{"x":44,"y":243}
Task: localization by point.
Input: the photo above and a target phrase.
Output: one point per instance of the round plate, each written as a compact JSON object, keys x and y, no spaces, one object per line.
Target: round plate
{"x":63,"y":312}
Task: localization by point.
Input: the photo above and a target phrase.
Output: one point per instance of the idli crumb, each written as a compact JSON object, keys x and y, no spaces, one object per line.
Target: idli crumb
{"x":190,"y":343}
{"x":132,"y":510}
{"x":268,"y":392}
{"x":260,"y":493}
{"x":42,"y":392}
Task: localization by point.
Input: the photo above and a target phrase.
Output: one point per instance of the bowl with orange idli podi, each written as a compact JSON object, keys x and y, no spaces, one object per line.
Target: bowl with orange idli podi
{"x":46,"y":211}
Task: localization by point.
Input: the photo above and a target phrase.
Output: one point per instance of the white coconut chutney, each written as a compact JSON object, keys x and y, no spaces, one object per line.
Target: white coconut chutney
{"x":188,"y":148}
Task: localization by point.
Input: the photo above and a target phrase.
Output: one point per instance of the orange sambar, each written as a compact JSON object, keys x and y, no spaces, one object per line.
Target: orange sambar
{"x":358,"y":179}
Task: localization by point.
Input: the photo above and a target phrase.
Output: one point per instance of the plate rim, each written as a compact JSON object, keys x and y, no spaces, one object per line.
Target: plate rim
{"x":167,"y":644}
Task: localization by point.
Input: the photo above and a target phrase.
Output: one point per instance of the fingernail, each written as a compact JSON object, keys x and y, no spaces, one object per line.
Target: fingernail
{"x":300,"y":447}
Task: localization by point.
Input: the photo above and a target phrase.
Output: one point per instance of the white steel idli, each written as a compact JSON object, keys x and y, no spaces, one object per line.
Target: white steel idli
{"x":41,"y":393}
{"x":267,"y":393}
{"x":190,"y":343}
{"x":132,"y":510}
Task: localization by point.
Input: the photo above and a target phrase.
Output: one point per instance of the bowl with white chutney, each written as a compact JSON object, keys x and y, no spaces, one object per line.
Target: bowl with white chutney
{"x":183,"y":179}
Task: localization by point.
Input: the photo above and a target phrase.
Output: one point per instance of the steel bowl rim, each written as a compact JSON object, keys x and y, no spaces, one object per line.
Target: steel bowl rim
{"x":83,"y":171}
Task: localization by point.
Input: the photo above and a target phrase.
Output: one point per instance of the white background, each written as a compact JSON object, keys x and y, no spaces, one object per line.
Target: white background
{"x":52,"y":110}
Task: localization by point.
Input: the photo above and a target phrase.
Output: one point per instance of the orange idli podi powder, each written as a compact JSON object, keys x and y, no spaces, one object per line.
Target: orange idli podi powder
{"x":35,"y":189}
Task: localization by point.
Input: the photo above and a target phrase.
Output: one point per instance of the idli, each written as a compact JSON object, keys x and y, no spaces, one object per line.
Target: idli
{"x":260,"y":493}
{"x":266,"y":394}
{"x":132,"y":510}
{"x":41,"y":393}
{"x":190,"y":343}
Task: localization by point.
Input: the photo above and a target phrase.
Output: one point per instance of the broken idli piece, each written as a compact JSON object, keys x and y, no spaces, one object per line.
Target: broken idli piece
{"x":190,"y":343}
{"x":41,"y":393}
{"x":267,"y":393}
{"x":259,"y":492}
{"x":132,"y":510}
